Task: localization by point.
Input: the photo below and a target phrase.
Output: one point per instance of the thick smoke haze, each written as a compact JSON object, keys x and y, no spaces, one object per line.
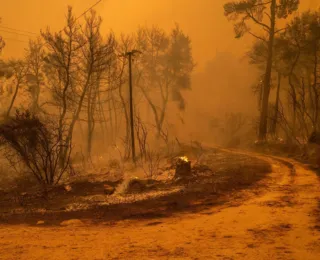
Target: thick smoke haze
{"x":202,"y":20}
{"x":222,"y":79}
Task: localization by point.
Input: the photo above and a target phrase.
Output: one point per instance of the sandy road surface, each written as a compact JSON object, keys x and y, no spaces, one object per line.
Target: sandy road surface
{"x":278,"y":221}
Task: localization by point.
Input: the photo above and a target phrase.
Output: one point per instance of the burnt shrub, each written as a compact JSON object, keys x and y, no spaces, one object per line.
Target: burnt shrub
{"x":35,"y":144}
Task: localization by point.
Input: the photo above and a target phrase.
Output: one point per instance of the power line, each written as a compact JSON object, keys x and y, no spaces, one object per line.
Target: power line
{"x":17,"y":30}
{"x":16,"y":33}
{"x":12,"y":39}
{"x":23,"y":31}
{"x":90,"y":8}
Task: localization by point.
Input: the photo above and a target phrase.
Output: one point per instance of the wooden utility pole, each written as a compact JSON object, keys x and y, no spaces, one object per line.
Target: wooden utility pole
{"x":130,"y":54}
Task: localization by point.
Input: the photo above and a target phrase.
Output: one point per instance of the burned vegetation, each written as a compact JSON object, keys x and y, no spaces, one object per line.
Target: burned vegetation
{"x":89,"y":119}
{"x":74,"y":140}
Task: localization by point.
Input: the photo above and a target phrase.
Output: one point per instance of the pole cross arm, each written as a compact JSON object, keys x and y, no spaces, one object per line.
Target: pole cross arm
{"x":133,"y":52}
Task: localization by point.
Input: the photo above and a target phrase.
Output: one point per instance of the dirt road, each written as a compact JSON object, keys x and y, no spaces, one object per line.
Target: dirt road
{"x":278,"y":221}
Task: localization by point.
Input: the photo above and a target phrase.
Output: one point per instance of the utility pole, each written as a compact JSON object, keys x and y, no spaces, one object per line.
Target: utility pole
{"x":130,"y":54}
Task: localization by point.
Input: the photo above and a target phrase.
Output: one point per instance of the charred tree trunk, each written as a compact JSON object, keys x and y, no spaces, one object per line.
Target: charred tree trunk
{"x":276,"y":108}
{"x":13,"y":98}
{"x":293,"y":95}
{"x":111,"y":133}
{"x":75,"y":117}
{"x":316,"y":87}
{"x":267,"y":80}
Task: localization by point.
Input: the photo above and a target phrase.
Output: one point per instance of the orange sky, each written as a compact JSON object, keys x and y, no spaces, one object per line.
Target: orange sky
{"x":224,"y":80}
{"x":203,"y":20}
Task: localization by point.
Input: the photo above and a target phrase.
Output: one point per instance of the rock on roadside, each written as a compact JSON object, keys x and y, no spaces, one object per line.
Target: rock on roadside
{"x":72,"y":222}
{"x":108,"y":190}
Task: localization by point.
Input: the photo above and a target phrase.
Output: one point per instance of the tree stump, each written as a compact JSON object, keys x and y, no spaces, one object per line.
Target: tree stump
{"x":183,"y":168}
{"x":108,"y":190}
{"x":136,"y":185}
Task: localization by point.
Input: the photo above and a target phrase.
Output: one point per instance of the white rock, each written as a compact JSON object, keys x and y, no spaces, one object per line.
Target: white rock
{"x":72,"y":222}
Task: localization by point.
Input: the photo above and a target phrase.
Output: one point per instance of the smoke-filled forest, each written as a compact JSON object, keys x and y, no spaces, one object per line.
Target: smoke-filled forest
{"x":172,"y":130}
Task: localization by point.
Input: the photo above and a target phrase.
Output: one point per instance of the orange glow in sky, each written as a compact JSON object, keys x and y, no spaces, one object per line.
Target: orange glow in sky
{"x":202,"y":20}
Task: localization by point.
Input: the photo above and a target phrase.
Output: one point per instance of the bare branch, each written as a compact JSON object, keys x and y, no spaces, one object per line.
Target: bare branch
{"x":258,"y":37}
{"x":258,"y":22}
